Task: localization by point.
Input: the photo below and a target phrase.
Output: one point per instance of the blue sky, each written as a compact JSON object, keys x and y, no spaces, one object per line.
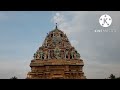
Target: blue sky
{"x":23,"y":32}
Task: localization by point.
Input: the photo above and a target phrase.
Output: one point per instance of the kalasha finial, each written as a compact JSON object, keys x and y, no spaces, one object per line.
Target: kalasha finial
{"x":56,"y":25}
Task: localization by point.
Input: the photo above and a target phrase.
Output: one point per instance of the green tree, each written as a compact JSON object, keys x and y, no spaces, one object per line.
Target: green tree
{"x":118,"y":78}
{"x":14,"y":77}
{"x":112,"y":76}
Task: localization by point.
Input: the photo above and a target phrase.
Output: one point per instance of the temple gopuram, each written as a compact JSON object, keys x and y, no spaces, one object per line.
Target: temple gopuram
{"x":56,"y":59}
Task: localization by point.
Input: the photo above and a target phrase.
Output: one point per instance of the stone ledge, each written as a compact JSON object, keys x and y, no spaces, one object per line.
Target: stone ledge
{"x":56,"y":62}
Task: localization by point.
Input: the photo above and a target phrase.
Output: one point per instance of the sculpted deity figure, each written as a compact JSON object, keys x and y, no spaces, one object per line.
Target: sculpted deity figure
{"x":72,"y":54}
{"x":48,"y":54}
{"x":62,"y":54}
{"x":41,"y":54}
{"x":62,"y":44}
{"x":57,"y":53}
{"x":77,"y":55}
{"x":38,"y":55}
{"x":45,"y":56}
{"x":34,"y":55}
{"x":51,"y":54}
{"x":66,"y":54}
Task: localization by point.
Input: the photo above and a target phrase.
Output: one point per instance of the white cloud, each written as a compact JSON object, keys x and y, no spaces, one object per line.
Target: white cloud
{"x":98,"y":50}
{"x":18,"y":68}
{"x":58,"y":18}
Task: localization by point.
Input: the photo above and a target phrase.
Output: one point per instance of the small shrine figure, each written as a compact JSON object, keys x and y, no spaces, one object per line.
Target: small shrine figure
{"x":57,"y":53}
{"x":34,"y":56}
{"x":41,"y":55}
{"x":66,"y":54}
{"x":78,"y":56}
{"x":72,"y":54}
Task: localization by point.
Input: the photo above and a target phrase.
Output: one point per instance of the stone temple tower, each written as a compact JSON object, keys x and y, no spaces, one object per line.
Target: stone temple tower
{"x":56,"y":59}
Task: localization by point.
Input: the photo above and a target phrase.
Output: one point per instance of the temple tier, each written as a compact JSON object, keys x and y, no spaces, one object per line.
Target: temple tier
{"x":56,"y":59}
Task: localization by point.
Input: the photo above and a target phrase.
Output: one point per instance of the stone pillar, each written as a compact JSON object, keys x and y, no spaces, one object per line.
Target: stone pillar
{"x":48,"y":54}
{"x":45,"y":55}
{"x":74,"y":55}
{"x":68,"y":55}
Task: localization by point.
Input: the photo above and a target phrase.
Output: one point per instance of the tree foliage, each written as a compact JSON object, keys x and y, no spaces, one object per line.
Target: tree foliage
{"x":113,"y":77}
{"x":14,"y":77}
